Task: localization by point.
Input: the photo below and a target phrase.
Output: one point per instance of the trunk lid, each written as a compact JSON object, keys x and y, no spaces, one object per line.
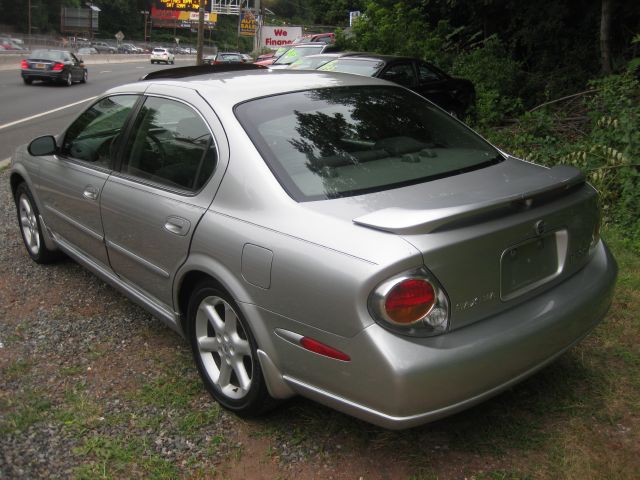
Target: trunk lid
{"x":498,"y":236}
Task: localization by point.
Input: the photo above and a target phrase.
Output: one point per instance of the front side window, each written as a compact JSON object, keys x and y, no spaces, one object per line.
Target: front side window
{"x":401,"y":73}
{"x":93,"y":137}
{"x":345,"y":141}
{"x":171,"y":145}
{"x":426,"y":74}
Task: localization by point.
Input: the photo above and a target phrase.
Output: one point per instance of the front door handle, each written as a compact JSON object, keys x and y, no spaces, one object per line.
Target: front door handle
{"x":177,"y":225}
{"x":90,"y":192}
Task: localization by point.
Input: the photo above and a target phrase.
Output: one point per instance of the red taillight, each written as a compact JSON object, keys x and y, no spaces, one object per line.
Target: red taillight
{"x":24,"y":64}
{"x":57,"y":67}
{"x":322,"y":349}
{"x":409,"y":301}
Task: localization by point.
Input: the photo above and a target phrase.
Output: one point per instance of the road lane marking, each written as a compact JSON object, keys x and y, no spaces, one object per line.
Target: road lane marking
{"x":105,"y":71}
{"x":22,"y":120}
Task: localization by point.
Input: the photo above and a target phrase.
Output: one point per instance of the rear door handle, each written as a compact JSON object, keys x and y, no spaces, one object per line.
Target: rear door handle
{"x":90,"y":192}
{"x":177,"y":225}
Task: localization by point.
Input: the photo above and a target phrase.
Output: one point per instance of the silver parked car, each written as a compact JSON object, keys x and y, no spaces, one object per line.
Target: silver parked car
{"x":328,"y":235}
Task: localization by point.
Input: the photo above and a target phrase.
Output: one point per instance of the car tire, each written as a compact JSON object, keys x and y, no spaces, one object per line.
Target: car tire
{"x":68,"y":81}
{"x":27,"y":81}
{"x":152,"y":62}
{"x":173,"y":62}
{"x":225,"y":351}
{"x":31,"y":228}
{"x":85,"y":77}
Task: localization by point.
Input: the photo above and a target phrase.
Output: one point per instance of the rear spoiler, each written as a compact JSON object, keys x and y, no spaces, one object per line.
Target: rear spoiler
{"x":191,"y":70}
{"x":407,"y":221}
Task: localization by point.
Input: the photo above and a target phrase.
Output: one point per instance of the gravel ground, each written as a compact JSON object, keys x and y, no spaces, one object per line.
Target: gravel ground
{"x":79,"y":365}
{"x":92,"y":385}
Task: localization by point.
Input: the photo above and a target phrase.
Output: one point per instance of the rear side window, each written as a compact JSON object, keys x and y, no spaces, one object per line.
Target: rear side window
{"x":170,"y":145}
{"x":93,"y":137}
{"x":345,"y":141}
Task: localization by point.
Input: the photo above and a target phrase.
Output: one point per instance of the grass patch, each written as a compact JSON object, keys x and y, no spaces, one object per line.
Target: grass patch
{"x":16,"y":369}
{"x":121,"y":457}
{"x":79,"y":411}
{"x":194,"y":420}
{"x":29,"y":407}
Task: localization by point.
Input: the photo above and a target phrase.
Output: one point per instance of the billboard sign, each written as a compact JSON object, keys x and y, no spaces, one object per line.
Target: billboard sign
{"x":79,"y":19}
{"x":180,"y":13}
{"x":181,"y":5}
{"x":248,"y":24}
{"x":274,"y":37}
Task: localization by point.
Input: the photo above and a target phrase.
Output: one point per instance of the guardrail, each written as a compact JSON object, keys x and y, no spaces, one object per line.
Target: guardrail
{"x":10,"y":61}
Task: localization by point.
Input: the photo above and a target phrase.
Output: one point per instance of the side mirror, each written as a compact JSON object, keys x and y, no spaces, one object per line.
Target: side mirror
{"x":40,"y":146}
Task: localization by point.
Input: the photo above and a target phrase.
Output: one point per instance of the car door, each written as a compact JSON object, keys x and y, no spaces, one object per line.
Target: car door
{"x":77,"y":68}
{"x":70,"y":183}
{"x":151,"y":207}
{"x":433,"y":85}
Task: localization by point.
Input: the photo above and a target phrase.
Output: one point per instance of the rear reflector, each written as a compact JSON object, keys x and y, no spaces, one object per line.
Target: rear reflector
{"x":322,"y":349}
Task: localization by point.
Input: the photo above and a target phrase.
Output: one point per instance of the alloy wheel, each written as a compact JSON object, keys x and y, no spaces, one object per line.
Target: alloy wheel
{"x":224,"y":348}
{"x":29,"y":225}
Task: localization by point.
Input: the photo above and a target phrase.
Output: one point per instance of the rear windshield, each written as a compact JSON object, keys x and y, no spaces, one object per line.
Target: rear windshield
{"x":350,"y":65}
{"x":345,"y":141}
{"x":295,"y":53}
{"x":311,"y":62}
{"x":159,"y":50}
{"x":47,"y":55}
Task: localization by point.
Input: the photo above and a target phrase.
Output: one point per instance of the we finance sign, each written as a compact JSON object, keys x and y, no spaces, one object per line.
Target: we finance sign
{"x":274,"y":37}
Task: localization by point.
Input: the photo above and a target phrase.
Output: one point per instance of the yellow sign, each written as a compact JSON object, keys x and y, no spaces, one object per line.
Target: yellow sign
{"x":248,"y":24}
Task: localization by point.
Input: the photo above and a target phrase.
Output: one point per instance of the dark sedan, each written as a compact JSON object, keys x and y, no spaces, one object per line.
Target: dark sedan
{"x":224,"y":57}
{"x":455,"y":95}
{"x":53,"y":66}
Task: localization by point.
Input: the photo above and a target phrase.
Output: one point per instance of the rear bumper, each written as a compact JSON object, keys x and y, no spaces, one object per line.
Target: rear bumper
{"x":44,"y":74}
{"x":399,"y":382}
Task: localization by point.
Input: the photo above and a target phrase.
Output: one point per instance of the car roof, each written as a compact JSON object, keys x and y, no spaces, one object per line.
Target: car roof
{"x":236,"y":86}
{"x":384,"y":58}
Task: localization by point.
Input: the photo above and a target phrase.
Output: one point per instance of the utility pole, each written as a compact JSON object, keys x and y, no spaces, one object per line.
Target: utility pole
{"x":200,"y":44}
{"x":29,"y":44}
{"x":146,"y":14}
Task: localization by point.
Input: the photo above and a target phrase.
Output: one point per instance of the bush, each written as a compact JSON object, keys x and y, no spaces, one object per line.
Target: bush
{"x":603,"y":141}
{"x":496,"y":77}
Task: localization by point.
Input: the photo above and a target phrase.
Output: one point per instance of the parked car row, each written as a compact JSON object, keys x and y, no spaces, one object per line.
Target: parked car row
{"x":12,"y":44}
{"x":455,"y":95}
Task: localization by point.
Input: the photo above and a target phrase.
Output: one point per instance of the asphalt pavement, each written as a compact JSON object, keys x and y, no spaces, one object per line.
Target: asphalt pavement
{"x":28,"y":111}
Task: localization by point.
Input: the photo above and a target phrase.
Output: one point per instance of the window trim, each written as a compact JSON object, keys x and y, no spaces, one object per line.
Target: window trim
{"x":118,"y":172}
{"x":125,"y":128}
{"x":291,"y":189}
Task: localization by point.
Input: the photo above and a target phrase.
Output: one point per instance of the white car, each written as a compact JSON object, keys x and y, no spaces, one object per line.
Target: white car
{"x":159,"y":54}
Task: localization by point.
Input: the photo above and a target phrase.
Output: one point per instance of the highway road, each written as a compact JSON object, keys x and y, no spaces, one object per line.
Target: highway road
{"x":27,"y":111}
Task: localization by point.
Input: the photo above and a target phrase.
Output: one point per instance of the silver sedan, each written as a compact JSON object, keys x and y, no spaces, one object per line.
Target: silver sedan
{"x":328,"y":235}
